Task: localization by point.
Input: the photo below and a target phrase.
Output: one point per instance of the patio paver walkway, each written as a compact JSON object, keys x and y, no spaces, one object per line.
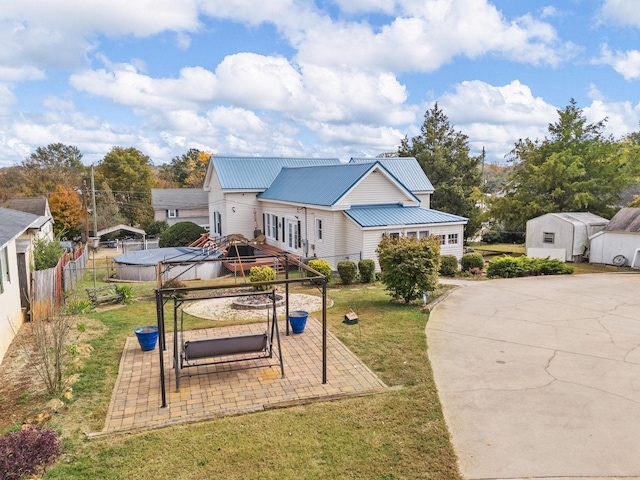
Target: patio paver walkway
{"x":136,"y":399}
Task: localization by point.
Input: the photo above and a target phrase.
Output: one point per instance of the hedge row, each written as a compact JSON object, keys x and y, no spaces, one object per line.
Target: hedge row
{"x":509,"y":267}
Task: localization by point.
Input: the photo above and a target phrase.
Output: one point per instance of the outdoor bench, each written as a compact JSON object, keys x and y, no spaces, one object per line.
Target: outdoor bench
{"x":108,"y":293}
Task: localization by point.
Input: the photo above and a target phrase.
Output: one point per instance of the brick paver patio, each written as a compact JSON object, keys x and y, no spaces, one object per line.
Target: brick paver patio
{"x":135,"y":402}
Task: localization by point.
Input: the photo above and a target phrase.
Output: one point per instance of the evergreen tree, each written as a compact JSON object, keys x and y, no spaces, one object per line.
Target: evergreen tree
{"x":575,"y":168}
{"x":443,"y":154}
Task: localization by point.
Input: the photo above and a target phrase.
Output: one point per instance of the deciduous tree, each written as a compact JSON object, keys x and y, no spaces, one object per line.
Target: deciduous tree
{"x":443,"y":154}
{"x":188,"y":170}
{"x":129,"y":175}
{"x":67,"y":212}
{"x":50,"y":166}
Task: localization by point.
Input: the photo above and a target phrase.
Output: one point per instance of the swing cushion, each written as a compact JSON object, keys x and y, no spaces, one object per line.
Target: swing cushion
{"x":219,"y":346}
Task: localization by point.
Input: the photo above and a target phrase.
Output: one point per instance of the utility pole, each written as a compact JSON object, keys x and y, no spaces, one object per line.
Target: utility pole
{"x":85,"y":204}
{"x":93,"y":204}
{"x":483,"y":154}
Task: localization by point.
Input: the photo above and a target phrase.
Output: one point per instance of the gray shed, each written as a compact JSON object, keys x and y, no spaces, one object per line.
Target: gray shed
{"x":619,"y":242}
{"x":563,"y":235}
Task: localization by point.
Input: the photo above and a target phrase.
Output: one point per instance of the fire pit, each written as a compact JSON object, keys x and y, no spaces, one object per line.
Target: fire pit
{"x":256,"y":302}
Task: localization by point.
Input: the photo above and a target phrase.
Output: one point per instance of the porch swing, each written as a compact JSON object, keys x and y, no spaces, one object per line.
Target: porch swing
{"x":229,"y":349}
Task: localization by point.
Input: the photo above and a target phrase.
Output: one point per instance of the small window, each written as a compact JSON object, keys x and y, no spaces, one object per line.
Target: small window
{"x":423,"y":233}
{"x":452,"y":239}
{"x":172,"y":213}
{"x":548,"y":237}
{"x":319,"y":232}
{"x":442,"y":239}
{"x":395,"y":235}
{"x":412,"y":234}
{"x":271,"y":225}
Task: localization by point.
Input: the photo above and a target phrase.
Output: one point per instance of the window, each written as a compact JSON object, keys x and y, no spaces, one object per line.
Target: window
{"x":452,"y":239}
{"x":548,"y":237}
{"x":172,"y":213}
{"x":271,"y":226}
{"x":442,"y":239}
{"x":395,"y":235}
{"x":423,"y":233}
{"x":318,"y":230}
{"x":412,"y":234}
{"x":217,"y":224}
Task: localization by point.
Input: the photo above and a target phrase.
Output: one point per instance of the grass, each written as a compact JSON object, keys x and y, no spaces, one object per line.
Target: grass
{"x":399,"y":434}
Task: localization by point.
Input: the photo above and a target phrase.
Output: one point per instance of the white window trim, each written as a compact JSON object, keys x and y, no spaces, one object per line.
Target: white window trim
{"x":452,"y":239}
{"x":319,"y":230}
{"x":172,"y":213}
{"x":546,"y":236}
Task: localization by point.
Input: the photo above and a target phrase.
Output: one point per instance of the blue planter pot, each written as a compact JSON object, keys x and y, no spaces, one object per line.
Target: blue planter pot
{"x":147,"y":337}
{"x":298,"y":320}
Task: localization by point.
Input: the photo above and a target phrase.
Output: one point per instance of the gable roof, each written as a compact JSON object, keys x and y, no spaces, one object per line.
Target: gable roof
{"x":177,"y":198}
{"x":322,"y":185}
{"x":255,"y":173}
{"x":388,"y":215}
{"x":406,"y":169}
{"x":626,"y":220}
{"x":33,"y":205}
{"x":13,"y":223}
{"x":586,"y":218}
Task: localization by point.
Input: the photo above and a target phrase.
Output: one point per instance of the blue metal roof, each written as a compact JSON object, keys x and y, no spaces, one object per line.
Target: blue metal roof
{"x":168,"y":254}
{"x":386,"y":215}
{"x":322,"y":185}
{"x":257,"y":173}
{"x":405,"y":169}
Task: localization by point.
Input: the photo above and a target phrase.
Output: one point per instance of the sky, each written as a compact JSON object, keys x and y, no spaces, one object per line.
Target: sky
{"x":294,"y":78}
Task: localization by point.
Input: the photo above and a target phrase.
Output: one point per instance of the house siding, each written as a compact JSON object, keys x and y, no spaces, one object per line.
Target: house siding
{"x":11,"y":318}
{"x":607,"y":245}
{"x":385,"y":192}
{"x":425,"y":199}
{"x":242,"y":220}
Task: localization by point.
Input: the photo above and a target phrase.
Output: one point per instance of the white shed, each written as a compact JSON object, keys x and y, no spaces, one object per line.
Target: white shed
{"x":564,"y":235}
{"x":619,"y":242}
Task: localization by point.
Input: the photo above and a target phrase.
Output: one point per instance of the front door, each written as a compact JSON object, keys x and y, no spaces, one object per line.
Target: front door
{"x":292,"y":236}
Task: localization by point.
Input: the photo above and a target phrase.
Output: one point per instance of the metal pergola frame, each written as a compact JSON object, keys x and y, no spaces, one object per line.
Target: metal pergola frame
{"x":165,"y":294}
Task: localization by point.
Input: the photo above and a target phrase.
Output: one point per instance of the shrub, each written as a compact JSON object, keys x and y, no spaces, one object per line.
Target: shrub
{"x":79,"y":307}
{"x":27,"y":451}
{"x":262,"y":274}
{"x":347,"y":271}
{"x":472,"y":260}
{"x":320,"y":266}
{"x":367,"y":268}
{"x":448,"y":265}
{"x":46,"y":254}
{"x":156,"y":228}
{"x":409,"y":266}
{"x":180,"y":235}
{"x":509,"y":267}
{"x":492,"y":236}
{"x":127,"y":293}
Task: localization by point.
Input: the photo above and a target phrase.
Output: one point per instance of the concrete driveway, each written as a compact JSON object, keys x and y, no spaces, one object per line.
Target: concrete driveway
{"x":540,"y":377}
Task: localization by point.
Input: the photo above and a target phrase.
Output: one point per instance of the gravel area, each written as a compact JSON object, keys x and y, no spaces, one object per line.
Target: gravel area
{"x":221,"y":308}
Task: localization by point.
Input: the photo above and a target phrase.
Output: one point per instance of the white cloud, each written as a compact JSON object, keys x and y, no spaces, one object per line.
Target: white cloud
{"x":495,"y":117}
{"x":429,"y":34}
{"x":622,"y":117}
{"x":624,"y":12}
{"x":626,"y":63}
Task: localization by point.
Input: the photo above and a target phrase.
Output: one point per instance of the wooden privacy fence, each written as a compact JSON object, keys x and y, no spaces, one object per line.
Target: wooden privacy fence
{"x":49,"y":285}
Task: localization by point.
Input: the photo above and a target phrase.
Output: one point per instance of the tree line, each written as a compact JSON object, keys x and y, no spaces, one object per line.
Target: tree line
{"x":123,"y":180}
{"x":575,"y":167}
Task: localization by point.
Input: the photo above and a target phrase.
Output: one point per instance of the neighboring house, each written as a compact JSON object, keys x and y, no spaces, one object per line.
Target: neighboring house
{"x":326,"y":208}
{"x":36,"y":206}
{"x":16,"y":232}
{"x":180,"y":205}
{"x":563,"y":236}
{"x":619,"y":242}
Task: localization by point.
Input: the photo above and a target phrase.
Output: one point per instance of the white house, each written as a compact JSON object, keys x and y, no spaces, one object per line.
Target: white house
{"x":180,"y":205}
{"x":36,"y":206}
{"x":563,"y":236}
{"x":326,"y":208}
{"x":16,"y":230}
{"x":619,"y":242}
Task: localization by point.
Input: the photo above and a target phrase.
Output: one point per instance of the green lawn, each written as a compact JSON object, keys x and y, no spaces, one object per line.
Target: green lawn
{"x":394,"y":435}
